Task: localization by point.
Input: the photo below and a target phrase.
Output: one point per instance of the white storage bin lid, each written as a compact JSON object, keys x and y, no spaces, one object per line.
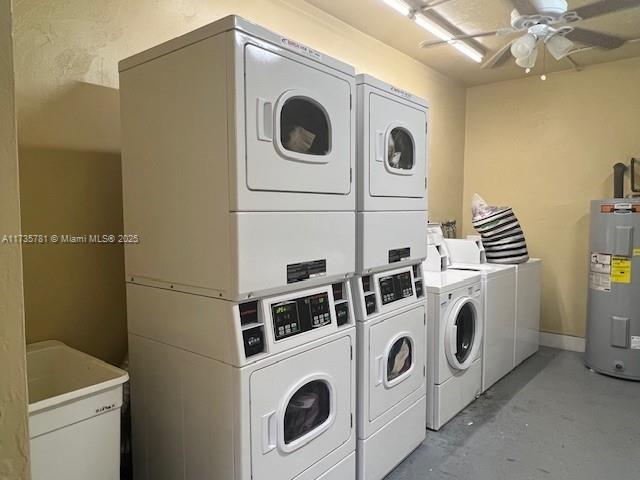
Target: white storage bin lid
{"x":58,"y":374}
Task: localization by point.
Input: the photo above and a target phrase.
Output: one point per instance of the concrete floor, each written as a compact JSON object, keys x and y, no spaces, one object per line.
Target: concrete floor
{"x":550,"y":419}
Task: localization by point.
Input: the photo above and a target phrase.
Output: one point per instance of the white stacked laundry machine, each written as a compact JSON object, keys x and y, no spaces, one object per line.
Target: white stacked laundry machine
{"x":238,"y":163}
{"x":455,"y":332}
{"x":388,"y":291}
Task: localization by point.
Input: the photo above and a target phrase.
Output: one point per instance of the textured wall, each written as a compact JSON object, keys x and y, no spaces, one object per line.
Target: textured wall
{"x":66,"y":70}
{"x":14,"y":446}
{"x":547,"y":149}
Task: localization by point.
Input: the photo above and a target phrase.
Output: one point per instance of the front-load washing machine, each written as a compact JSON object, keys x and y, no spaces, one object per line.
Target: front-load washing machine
{"x":238,"y":145}
{"x":392,"y":175}
{"x":454,"y":333}
{"x":391,"y":405}
{"x":499,"y":301}
{"x":259,"y":390}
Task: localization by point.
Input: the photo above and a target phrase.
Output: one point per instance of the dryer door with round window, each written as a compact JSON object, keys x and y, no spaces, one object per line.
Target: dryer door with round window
{"x":396,"y":358}
{"x":397,"y":148}
{"x":463,"y":334}
{"x":298,"y":128}
{"x":300,"y":410}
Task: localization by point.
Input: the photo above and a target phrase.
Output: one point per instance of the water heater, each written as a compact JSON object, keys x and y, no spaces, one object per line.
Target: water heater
{"x":613,"y":309}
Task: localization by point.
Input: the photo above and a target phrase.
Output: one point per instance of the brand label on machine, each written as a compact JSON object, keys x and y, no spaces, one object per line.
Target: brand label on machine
{"x":620,"y":269}
{"x":399,"y":254}
{"x":297,"y":272}
{"x":636,"y":252}
{"x":620,"y":208}
{"x":600,"y":272}
{"x":635,"y":343}
{"x":300,"y":48}
{"x":402,"y":93}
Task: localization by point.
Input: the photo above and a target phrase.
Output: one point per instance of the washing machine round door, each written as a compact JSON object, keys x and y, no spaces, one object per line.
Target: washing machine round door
{"x":463,"y":333}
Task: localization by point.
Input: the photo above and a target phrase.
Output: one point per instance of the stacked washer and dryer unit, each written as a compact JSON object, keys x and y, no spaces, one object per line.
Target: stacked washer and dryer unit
{"x":388,"y":292}
{"x":238,"y":156}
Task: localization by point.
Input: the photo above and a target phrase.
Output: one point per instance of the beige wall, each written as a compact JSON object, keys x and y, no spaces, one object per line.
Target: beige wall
{"x":547,"y":149}
{"x":14,"y":446}
{"x":66,"y":69}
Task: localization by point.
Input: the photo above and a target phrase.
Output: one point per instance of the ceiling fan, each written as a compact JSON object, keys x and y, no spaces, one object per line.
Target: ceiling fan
{"x":548,"y":23}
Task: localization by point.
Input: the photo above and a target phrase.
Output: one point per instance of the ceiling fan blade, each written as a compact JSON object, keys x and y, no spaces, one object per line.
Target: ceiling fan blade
{"x":602,"y":7}
{"x":524,"y":7}
{"x":426,"y":44}
{"x":499,"y":57}
{"x":596,"y":39}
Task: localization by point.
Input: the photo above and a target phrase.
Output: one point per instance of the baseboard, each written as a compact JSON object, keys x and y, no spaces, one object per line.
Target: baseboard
{"x":563,"y":342}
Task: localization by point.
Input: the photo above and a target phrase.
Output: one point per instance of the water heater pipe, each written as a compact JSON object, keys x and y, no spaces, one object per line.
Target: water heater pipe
{"x":618,"y":180}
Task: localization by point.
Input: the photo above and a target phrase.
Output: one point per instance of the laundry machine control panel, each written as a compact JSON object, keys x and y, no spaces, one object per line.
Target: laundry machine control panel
{"x":300,"y":315}
{"x":388,"y":290}
{"x":274,"y":324}
{"x":395,"y":287}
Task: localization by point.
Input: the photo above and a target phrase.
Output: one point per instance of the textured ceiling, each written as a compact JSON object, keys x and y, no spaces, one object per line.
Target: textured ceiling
{"x":474,"y":16}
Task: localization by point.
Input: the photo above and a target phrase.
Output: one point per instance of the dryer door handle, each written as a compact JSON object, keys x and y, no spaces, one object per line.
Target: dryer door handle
{"x":268,"y":432}
{"x":264,"y":117}
{"x":380,"y":370}
{"x":379,"y":146}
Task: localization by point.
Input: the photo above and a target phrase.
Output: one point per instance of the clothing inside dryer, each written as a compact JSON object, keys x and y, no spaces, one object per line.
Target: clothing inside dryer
{"x":304,"y":127}
{"x":400,"y":358}
{"x":400,"y":149}
{"x":308,"y":408}
{"x":465,"y":332}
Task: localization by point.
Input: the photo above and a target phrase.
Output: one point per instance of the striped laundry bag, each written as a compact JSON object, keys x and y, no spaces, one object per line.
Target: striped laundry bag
{"x":502,"y":236}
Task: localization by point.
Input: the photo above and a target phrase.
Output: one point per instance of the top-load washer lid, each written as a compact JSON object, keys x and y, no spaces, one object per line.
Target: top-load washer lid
{"x":299,"y":134}
{"x":449,"y":280}
{"x":397,"y":147}
{"x":463,"y":333}
{"x":484,"y":269}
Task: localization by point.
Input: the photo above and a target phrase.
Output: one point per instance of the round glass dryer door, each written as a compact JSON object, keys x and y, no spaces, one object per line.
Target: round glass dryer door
{"x":463,"y":334}
{"x":304,"y":127}
{"x":400,"y":149}
{"x":399,"y":359}
{"x":308,"y":408}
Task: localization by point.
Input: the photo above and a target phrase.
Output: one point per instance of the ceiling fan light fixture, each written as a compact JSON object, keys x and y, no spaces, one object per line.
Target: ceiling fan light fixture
{"x":529,"y":61}
{"x":403,"y":8}
{"x":559,"y":46}
{"x":524,"y":46}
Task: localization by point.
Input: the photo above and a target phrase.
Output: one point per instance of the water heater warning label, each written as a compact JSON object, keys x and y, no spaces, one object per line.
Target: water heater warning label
{"x":635,"y":343}
{"x":620,"y":269}
{"x":600,"y":272}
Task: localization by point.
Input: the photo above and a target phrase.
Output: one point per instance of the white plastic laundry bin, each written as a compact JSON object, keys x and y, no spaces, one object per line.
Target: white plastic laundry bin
{"x":74,"y":414}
